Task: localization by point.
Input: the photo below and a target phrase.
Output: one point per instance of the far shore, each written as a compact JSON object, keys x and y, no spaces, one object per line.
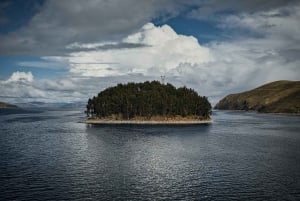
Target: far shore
{"x":149,"y":122}
{"x":257,"y":112}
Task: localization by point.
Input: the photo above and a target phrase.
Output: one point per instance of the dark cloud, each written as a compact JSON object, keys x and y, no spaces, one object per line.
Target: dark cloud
{"x":3,"y":18}
{"x":60,"y":23}
{"x":120,"y":45}
{"x":206,"y":9}
{"x":290,"y":55}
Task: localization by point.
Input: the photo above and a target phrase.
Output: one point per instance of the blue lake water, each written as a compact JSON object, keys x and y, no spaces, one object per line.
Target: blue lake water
{"x":45,"y":154}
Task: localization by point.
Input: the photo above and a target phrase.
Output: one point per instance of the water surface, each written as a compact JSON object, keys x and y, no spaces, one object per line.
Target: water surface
{"x":45,"y":154}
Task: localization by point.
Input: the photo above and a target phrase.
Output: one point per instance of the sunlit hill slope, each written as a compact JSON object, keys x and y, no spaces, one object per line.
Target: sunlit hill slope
{"x":276,"y":97}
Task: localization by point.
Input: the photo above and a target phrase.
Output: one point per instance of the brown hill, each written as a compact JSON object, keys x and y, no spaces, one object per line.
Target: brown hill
{"x":276,"y":97}
{"x":6,"y":105}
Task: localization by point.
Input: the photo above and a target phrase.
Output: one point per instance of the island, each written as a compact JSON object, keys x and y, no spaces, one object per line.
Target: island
{"x":148,"y":103}
{"x":275,"y":97}
{"x":7,"y":105}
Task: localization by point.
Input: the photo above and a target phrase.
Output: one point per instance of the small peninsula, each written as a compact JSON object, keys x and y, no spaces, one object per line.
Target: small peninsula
{"x":7,"y":105}
{"x":276,"y":97}
{"x":148,"y":103}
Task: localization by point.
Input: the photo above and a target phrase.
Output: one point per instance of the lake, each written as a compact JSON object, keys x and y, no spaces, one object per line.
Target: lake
{"x":45,"y":154}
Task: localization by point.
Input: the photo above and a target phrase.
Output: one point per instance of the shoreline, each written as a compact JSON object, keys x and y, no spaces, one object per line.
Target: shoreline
{"x":257,"y":112}
{"x":147,"y":122}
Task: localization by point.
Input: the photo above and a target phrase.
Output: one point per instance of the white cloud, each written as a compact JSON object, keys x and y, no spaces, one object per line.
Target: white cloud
{"x":163,"y":50}
{"x":21,"y":77}
{"x":214,"y":70}
{"x":65,"y":89}
{"x":20,"y":85}
{"x":269,"y":52}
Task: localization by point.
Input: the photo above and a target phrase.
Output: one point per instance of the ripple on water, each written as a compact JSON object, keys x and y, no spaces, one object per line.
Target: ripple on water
{"x":241,"y":156}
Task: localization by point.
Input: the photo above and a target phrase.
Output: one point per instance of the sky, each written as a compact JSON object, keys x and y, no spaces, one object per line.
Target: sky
{"x":69,"y":50}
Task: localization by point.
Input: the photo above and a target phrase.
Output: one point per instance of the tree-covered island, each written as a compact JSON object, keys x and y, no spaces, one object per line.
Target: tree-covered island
{"x":148,"y":101}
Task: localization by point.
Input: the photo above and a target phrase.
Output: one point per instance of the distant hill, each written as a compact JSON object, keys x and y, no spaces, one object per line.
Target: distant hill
{"x":6,"y":105}
{"x":37,"y":104}
{"x":148,"y":101}
{"x":275,"y":97}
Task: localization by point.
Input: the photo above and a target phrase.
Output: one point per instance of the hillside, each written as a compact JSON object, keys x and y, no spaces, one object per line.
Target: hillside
{"x":275,"y":97}
{"x":148,"y":101}
{"x":6,"y":105}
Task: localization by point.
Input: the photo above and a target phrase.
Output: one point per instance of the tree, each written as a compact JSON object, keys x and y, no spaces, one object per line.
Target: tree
{"x":147,"y":99}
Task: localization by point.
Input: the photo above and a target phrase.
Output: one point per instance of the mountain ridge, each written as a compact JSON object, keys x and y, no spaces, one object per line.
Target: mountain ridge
{"x":281,"y":96}
{"x":7,"y":105}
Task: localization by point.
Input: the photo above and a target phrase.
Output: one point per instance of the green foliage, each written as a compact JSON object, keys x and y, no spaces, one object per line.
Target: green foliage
{"x":146,"y":100}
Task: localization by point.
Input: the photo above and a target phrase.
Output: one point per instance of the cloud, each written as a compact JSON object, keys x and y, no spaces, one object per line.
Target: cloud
{"x":22,"y":87}
{"x":214,"y":70}
{"x":162,"y":50}
{"x":3,"y":6}
{"x":213,"y":9}
{"x":264,"y":47}
{"x":21,"y":77}
{"x":74,"y":47}
{"x":42,"y":64}
{"x":61,"y":23}
{"x":273,"y":48}
{"x":281,"y":23}
{"x":99,"y":21}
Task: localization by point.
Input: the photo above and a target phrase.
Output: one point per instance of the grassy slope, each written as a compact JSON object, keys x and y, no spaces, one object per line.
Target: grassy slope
{"x":275,"y":97}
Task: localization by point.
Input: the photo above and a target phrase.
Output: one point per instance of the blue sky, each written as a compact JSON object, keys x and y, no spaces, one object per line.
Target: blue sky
{"x":67,"y":51}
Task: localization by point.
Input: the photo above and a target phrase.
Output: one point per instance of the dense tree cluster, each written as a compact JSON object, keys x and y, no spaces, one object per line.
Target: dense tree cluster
{"x":146,"y":100}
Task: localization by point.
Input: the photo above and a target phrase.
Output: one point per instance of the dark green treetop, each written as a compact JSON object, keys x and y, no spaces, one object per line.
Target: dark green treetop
{"x":146,"y":100}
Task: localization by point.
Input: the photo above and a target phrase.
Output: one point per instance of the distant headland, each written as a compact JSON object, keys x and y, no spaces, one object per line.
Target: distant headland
{"x":148,"y":103}
{"x":276,"y":97}
{"x":7,"y":105}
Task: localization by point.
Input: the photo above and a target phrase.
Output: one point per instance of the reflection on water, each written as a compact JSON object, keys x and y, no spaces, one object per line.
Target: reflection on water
{"x":47,"y":155}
